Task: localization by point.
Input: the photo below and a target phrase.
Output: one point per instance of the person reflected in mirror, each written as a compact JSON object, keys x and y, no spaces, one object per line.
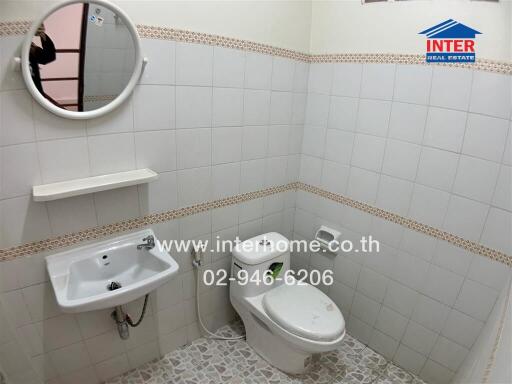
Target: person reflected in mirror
{"x":41,"y":55}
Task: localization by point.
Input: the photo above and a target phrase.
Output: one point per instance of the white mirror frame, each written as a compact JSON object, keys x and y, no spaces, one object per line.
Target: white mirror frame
{"x":25,"y":65}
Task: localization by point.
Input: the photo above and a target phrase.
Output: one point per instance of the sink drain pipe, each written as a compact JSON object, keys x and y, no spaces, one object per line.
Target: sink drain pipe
{"x":124,"y":321}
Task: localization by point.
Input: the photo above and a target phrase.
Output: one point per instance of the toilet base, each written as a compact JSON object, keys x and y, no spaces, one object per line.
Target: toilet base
{"x":271,"y":347}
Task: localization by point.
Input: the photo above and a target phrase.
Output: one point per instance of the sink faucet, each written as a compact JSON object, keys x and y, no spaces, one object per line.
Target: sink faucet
{"x":149,"y":243}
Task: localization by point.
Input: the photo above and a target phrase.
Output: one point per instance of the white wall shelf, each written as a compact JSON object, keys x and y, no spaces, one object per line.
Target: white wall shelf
{"x":63,"y":189}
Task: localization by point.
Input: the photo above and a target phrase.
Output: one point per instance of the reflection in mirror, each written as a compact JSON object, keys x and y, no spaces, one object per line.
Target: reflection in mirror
{"x":82,"y":57}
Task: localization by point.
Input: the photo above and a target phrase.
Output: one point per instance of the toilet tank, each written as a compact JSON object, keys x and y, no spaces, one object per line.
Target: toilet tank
{"x":256,"y":256}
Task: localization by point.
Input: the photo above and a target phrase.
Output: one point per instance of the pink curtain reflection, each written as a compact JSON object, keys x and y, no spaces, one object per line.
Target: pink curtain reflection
{"x":64,"y":28}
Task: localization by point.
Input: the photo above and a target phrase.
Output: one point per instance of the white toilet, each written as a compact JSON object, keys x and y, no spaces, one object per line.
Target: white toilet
{"x":284,"y":323}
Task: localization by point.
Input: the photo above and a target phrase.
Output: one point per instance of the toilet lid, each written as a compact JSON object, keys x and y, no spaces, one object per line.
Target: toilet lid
{"x":304,"y":311}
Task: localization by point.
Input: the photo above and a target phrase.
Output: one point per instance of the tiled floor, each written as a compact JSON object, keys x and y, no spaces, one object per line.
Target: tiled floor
{"x":234,"y":362}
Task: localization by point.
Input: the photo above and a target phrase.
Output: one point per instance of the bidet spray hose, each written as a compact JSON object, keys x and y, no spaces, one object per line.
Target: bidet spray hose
{"x":197,"y":266}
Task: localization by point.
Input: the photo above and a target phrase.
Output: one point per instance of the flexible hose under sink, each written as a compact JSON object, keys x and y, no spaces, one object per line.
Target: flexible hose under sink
{"x":143,"y":313}
{"x":197,"y":267}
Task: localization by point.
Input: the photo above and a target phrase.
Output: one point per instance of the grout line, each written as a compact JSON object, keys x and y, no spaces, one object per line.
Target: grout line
{"x":386,"y":140}
{"x":329,"y":95}
{"x":425,"y":125}
{"x":212,"y":166}
{"x":267,"y":128}
{"x":459,"y":156}
{"x":241,"y":135}
{"x":355,"y":132}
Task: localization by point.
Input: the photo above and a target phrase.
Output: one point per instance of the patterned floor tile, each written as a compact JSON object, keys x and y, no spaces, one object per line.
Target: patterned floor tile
{"x":207,"y":361}
{"x":356,"y":375}
{"x":372,"y":360}
{"x":394,"y":374}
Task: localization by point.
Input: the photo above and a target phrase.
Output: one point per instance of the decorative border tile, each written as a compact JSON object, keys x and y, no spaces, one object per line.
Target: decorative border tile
{"x":137,"y":223}
{"x":165,"y":33}
{"x":13,"y":28}
{"x":92,"y":98}
{"x":133,"y":224}
{"x":411,"y":224}
{"x":10,"y":28}
{"x":397,"y":58}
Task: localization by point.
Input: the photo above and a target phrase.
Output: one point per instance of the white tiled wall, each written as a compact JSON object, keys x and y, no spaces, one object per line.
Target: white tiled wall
{"x":202,"y":117}
{"x":212,"y":122}
{"x":432,"y":149}
{"x":415,"y":301}
{"x":430,"y":143}
{"x":427,"y":143}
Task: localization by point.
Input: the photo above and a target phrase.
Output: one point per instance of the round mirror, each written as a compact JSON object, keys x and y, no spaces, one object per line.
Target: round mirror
{"x":82,"y":58}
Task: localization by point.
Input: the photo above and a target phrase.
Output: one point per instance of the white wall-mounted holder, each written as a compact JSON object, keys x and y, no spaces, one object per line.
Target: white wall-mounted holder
{"x":145,"y":62}
{"x":328,"y":238}
{"x":16,"y":64}
{"x":77,"y":187}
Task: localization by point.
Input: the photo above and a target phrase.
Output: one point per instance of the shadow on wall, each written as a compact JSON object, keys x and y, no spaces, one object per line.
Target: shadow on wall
{"x":489,"y":359}
{"x":15,"y":365}
{"x":52,"y":345}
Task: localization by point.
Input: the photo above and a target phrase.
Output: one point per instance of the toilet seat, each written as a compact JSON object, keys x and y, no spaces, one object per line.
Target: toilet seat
{"x":305,"y":311}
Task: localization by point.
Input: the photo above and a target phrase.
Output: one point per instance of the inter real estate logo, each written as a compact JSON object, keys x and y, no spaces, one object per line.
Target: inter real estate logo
{"x":450,"y":42}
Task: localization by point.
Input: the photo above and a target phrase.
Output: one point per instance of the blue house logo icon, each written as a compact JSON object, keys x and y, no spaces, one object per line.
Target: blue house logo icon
{"x":450,"y":42}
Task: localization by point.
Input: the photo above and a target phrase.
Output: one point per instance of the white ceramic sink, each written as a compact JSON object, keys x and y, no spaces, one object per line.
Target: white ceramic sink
{"x":81,"y":277}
